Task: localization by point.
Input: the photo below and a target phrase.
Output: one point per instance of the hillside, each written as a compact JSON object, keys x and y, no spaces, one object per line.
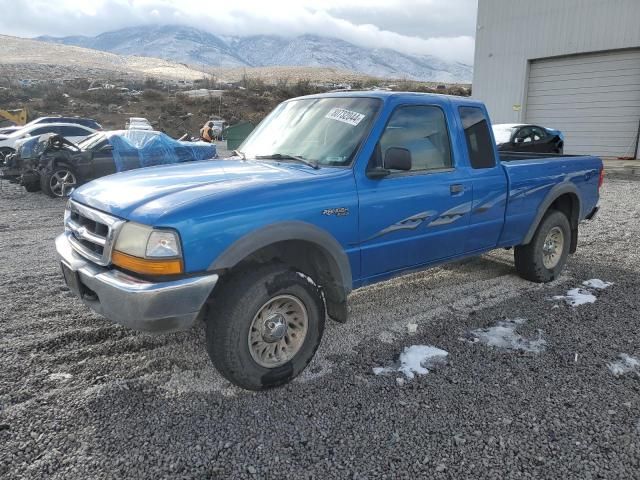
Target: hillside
{"x":196,"y":47}
{"x":24,"y":58}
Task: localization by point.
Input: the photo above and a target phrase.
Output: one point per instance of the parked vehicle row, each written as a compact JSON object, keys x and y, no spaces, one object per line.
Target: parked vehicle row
{"x":74,"y":127}
{"x":56,"y":165}
{"x":329,"y":193}
{"x":87,"y":122}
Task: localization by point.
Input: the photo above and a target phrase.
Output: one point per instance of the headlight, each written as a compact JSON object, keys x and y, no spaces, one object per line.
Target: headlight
{"x":162,"y":244}
{"x":145,"y":250}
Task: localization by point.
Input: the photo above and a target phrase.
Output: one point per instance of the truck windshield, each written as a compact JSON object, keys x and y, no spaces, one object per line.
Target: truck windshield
{"x":322,"y":131}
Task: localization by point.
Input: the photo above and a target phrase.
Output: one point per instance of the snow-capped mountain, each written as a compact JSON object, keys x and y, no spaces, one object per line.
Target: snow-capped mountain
{"x":196,"y":47}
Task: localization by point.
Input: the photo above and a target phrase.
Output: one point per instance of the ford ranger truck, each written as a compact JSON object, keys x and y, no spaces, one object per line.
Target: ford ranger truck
{"x":329,"y":193}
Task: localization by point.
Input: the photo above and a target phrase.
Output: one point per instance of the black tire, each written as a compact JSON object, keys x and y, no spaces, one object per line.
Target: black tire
{"x":231,"y":313}
{"x":530,"y":259}
{"x":32,"y":187}
{"x":47,"y":176}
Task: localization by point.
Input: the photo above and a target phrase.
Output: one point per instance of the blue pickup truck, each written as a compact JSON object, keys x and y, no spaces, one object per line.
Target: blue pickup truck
{"x":329,"y":193}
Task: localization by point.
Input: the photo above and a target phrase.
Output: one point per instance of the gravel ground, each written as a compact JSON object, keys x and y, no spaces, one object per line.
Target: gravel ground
{"x":82,"y":398}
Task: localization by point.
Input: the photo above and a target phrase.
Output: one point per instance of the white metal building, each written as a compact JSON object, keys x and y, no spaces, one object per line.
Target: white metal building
{"x":573,"y":65}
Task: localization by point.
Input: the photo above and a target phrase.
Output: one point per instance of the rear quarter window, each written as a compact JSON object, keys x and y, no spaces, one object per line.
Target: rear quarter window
{"x":478,"y":138}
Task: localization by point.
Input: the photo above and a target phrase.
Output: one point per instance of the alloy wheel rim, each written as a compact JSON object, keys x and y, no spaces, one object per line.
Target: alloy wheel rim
{"x":552,"y":248}
{"x":62,"y":182}
{"x":278,"y":330}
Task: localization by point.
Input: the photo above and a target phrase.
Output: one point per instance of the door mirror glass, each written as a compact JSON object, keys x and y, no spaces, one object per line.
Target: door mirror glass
{"x":396,"y":158}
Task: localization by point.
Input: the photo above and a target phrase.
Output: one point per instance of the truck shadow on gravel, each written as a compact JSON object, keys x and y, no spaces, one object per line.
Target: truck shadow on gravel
{"x":500,"y":411}
{"x":485,"y":402}
{"x":140,"y":405}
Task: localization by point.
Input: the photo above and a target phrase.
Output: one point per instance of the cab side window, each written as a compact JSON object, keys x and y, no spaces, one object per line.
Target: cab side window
{"x":523,"y":135}
{"x":42,"y":130}
{"x":476,"y":132}
{"x":422,"y":130}
{"x":73,"y":132}
{"x":538,"y":133}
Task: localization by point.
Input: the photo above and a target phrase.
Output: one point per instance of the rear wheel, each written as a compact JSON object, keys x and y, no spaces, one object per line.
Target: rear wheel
{"x":264,"y":326}
{"x":543,"y":259}
{"x":58,"y":181}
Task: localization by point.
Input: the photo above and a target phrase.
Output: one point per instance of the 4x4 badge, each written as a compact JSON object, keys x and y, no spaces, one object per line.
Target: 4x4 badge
{"x":338,"y":212}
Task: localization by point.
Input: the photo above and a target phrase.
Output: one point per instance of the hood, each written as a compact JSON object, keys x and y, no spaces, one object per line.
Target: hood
{"x":148,"y":194}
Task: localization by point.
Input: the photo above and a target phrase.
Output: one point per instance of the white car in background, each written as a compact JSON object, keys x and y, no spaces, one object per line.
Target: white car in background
{"x":71,"y":131}
{"x":138,"y":123}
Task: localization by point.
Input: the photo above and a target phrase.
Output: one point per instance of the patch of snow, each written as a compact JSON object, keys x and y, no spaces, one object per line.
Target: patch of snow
{"x":60,"y":376}
{"x":625,"y":364}
{"x":503,"y":335}
{"x":416,"y":359}
{"x":576,"y":297}
{"x":597,"y":283}
{"x":382,"y":370}
{"x":412,"y":327}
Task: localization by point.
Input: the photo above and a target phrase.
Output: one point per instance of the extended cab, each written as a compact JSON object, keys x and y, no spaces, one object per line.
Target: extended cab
{"x":329,"y":193}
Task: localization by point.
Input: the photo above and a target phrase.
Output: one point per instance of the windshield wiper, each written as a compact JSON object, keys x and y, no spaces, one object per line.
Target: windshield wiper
{"x":240,"y":154}
{"x":284,"y":156}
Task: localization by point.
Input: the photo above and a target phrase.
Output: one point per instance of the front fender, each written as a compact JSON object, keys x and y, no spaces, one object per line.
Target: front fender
{"x":286,"y":231}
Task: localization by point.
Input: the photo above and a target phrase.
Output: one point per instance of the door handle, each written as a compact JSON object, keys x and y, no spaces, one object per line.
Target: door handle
{"x":456,"y":188}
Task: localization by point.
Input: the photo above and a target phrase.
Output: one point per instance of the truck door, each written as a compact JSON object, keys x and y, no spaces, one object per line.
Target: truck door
{"x":416,"y":215}
{"x":488,"y":178}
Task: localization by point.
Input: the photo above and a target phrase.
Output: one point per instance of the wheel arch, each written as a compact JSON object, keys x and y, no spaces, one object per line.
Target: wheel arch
{"x":565,"y":198}
{"x":301,"y":245}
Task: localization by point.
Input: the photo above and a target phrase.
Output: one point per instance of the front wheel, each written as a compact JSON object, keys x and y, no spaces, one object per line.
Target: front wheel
{"x":543,"y":259}
{"x":264,"y":326}
{"x":58,"y":181}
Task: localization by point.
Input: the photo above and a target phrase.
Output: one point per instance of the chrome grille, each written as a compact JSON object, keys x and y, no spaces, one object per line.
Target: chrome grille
{"x":91,"y":232}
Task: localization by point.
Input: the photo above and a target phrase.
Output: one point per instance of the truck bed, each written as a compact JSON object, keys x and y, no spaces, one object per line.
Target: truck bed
{"x":516,"y":156}
{"x":532,"y":176}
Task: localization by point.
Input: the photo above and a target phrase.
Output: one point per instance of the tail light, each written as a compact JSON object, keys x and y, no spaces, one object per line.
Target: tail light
{"x":601,"y":180}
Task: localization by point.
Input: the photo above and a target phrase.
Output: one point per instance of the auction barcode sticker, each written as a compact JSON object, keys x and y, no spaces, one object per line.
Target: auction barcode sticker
{"x":345,"y":116}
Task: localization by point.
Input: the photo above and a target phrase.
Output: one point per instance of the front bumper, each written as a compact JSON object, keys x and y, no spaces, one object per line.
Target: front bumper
{"x":135,"y":303}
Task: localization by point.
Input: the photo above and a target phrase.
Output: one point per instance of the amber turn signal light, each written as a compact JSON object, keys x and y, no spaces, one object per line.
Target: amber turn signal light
{"x":145,"y":266}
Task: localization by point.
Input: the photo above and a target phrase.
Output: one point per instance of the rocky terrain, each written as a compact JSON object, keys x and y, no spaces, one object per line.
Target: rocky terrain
{"x":531,"y":387}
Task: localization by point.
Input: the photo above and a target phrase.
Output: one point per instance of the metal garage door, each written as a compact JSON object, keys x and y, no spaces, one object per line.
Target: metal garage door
{"x":593,"y":98}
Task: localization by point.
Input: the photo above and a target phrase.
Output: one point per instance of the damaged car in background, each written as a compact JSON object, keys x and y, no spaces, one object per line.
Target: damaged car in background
{"x":515,"y":137}
{"x":10,"y":142}
{"x":56,"y":165}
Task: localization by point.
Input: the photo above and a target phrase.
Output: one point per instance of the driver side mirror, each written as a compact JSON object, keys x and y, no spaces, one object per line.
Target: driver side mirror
{"x":107,"y":148}
{"x":396,"y":158}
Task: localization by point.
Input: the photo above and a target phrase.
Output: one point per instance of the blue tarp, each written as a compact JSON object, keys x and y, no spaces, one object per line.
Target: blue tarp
{"x":142,"y":148}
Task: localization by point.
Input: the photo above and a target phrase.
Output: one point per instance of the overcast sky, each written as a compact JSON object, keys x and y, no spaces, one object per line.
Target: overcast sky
{"x":445,"y":28}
